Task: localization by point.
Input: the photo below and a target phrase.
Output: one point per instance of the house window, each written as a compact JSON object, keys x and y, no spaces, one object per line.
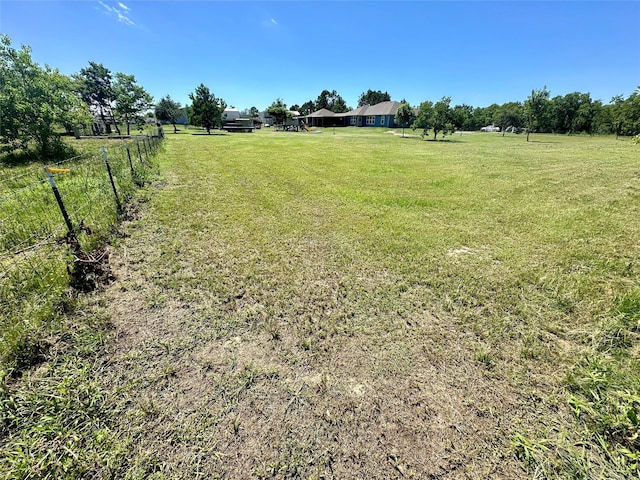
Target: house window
{"x":354,"y":120}
{"x":381,"y":120}
{"x":371,"y":120}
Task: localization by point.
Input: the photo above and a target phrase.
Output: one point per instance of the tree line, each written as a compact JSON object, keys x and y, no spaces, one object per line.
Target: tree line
{"x":574,"y":112}
{"x":36,"y":101}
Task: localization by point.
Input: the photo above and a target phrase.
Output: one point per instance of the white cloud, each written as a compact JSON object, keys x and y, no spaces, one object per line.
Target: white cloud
{"x":274,"y":22}
{"x":121,"y":12}
{"x":124,"y":19}
{"x":106,"y":7}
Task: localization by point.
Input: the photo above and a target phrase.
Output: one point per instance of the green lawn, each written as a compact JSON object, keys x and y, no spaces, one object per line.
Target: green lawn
{"x":360,"y":305}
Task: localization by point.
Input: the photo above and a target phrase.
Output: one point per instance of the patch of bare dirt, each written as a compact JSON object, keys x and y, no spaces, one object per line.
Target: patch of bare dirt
{"x":253,"y":404}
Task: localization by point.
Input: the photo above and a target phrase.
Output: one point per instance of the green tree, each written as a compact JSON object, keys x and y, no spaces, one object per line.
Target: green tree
{"x":96,"y":87}
{"x":627,"y":114}
{"x":405,"y":116}
{"x":307,"y":108}
{"x":373,"y":97}
{"x":279,"y":111}
{"x":437,"y":117}
{"x":423,"y":118}
{"x":571,"y":113}
{"x":207,"y":109}
{"x":536,"y":109}
{"x":34,"y":101}
{"x":168,"y":110}
{"x":463,"y":115}
{"x":331,"y":101}
{"x":483,"y":116}
{"x":509,"y":115}
{"x":132,"y":100}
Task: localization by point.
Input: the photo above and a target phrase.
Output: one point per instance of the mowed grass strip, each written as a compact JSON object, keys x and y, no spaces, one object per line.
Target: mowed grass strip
{"x":360,"y":305}
{"x":365,"y":305}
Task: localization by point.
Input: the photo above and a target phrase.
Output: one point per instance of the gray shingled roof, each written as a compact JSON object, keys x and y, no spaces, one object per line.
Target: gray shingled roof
{"x":323,"y":112}
{"x":383,"y":108}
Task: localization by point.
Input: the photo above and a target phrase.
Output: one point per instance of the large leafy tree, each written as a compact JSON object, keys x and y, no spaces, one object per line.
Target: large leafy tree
{"x":373,"y":97}
{"x":483,"y":116}
{"x":626,"y":114}
{"x":34,"y":101}
{"x":307,"y":107}
{"x":95,"y":84}
{"x":437,"y":117}
{"x":278,"y":110}
{"x":132,"y":100}
{"x":331,"y":101}
{"x":168,"y":110}
{"x":404,"y":116}
{"x":463,"y":115}
{"x":509,"y":115}
{"x":571,"y":113}
{"x":536,"y":109}
{"x":207,"y":109}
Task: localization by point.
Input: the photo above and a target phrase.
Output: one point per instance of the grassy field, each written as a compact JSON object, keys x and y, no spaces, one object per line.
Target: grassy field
{"x":36,"y":263}
{"x":358,"y":305}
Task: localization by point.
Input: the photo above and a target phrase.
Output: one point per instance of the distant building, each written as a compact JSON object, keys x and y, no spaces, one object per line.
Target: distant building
{"x":379,"y":115}
{"x":230,"y":114}
{"x":269,"y":121}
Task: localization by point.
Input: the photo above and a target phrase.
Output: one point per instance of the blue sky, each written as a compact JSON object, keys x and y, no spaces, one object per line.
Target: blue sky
{"x":250,"y":53}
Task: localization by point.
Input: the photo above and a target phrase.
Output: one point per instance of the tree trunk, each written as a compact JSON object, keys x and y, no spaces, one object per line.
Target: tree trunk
{"x":175,"y":130}
{"x":115,"y":124}
{"x":113,"y":118}
{"x":126,"y":119}
{"x":107,"y":126}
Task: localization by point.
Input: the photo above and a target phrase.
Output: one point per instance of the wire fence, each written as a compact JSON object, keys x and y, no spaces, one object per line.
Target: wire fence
{"x":53,"y":221}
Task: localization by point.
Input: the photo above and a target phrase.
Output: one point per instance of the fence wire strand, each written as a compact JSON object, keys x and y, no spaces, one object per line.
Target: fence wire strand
{"x":35,"y":252}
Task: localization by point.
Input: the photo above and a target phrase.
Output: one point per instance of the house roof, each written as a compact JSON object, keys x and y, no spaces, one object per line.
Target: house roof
{"x":323,"y":112}
{"x":382,"y":108}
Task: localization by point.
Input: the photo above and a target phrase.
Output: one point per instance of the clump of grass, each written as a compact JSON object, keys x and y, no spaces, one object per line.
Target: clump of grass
{"x":485,"y":357}
{"x":55,"y":422}
{"x":604,"y":396}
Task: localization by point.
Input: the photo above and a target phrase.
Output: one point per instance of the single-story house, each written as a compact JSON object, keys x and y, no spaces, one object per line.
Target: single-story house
{"x":379,"y":115}
{"x":324,"y":118}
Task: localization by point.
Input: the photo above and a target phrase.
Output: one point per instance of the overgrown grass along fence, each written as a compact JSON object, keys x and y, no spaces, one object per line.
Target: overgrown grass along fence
{"x":53,"y":220}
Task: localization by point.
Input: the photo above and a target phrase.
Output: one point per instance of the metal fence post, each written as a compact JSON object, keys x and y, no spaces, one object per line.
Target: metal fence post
{"x":56,"y":194}
{"x":139,"y":153}
{"x":133,"y":173}
{"x":113,"y":185}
